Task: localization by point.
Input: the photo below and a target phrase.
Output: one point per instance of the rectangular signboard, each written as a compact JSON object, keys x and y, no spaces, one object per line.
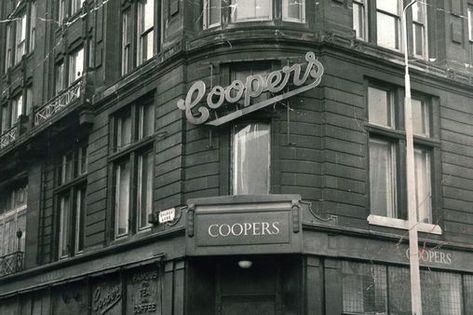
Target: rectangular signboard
{"x":235,"y":225}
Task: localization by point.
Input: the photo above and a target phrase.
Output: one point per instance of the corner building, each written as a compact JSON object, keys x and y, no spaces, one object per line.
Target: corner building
{"x":122,"y":194}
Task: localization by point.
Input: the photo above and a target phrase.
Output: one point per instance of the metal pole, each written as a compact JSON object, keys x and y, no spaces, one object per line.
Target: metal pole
{"x":416,"y":300}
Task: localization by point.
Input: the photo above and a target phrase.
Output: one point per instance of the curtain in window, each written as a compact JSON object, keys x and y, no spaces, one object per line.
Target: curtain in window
{"x":382,"y":178}
{"x":251,"y":158}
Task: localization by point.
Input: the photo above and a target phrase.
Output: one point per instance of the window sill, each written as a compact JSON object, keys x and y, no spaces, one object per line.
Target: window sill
{"x":403,"y":224}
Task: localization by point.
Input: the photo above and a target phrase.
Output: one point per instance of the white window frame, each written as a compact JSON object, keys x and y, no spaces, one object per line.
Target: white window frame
{"x":118,"y":170}
{"x":9,"y":47}
{"x":285,"y":12}
{"x":33,"y":13}
{"x":76,"y":65}
{"x":143,"y":33}
{"x":126,"y":41}
{"x":20,"y":42}
{"x":424,"y":26}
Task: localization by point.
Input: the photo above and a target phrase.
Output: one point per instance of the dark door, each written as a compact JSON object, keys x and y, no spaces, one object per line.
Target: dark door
{"x":253,"y":291}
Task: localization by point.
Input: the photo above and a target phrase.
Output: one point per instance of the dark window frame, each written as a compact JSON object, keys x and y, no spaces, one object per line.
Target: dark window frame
{"x":139,"y":146}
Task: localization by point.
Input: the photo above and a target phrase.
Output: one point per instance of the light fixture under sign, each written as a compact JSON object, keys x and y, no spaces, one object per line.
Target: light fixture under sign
{"x":245,"y":264}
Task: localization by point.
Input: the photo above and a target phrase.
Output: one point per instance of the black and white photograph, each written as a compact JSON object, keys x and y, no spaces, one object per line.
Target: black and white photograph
{"x":236,"y":157}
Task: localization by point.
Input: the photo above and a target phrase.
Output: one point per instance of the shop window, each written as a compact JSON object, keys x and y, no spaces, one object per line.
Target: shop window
{"x":76,"y":65}
{"x":386,"y":150}
{"x":13,"y":207}
{"x":133,"y":169}
{"x":138,"y":32}
{"x":364,"y":288}
{"x":293,"y":10}
{"x":251,"y":158}
{"x":71,"y":193}
{"x":360,"y":19}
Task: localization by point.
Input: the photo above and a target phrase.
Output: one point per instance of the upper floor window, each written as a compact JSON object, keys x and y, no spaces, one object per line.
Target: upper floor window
{"x":59,"y":77}
{"x":8,"y":48}
{"x":470,"y":22}
{"x":76,"y":5}
{"x":251,"y":11}
{"x":68,"y":8}
{"x":359,"y":19}
{"x":133,"y":170}
{"x":13,"y":205}
{"x":382,"y":24}
{"x":386,"y":161}
{"x":20,"y":36}
{"x":76,"y":65}
{"x":138,"y":30}
{"x":70,"y":197}
{"x":388,"y":29}
{"x":10,"y":112}
{"x":32,"y":26}
{"x":251,"y":158}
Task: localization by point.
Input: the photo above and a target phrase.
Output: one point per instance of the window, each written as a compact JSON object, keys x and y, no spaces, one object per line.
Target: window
{"x":59,"y":77}
{"x":381,"y":289}
{"x":138,"y":31}
{"x":212,"y":13}
{"x":32,"y":26}
{"x":419,"y":20}
{"x":251,"y":10}
{"x":293,"y":10}
{"x":9,"y":48}
{"x":470,"y":22}
{"x":386,"y":155}
{"x":76,"y":65}
{"x":12,"y":111}
{"x":126,"y":41}
{"x":13,"y":205}
{"x":71,"y":194}
{"x":62,"y":10}
{"x":133,"y":170}
{"x":20,"y":36}
{"x":145,"y":28}
{"x":76,"y":5}
{"x":251,"y":158}
{"x":359,"y":19}
{"x":388,"y":24}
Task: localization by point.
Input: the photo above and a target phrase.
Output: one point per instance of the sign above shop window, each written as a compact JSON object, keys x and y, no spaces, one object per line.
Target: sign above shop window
{"x":279,"y":85}
{"x":244,"y":225}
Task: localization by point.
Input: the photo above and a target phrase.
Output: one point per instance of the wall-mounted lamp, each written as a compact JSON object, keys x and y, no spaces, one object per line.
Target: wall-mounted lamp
{"x":245,"y":264}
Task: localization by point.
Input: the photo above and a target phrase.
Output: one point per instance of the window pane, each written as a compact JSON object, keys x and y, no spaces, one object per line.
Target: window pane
{"x":380,"y":111}
{"x":80,"y":219}
{"x":387,"y":30}
{"x":64,"y":227}
{"x":59,"y":77}
{"x":247,"y":10}
{"x":364,"y":288}
{"x":470,"y":22}
{"x":82,"y":160}
{"x":126,"y":41}
{"x":420,"y":117}
{"x":33,"y":26}
{"x":76,"y":65}
{"x":382,"y":178}
{"x":441,"y":292}
{"x":29,"y":100}
{"x":122,"y":198}
{"x":66,"y":168}
{"x":418,"y":39}
{"x":399,"y":295}
{"x":359,"y":20}
{"x":418,"y":14}
{"x":293,"y":10}
{"x":390,"y":6}
{"x":213,"y":12}
{"x":8,"y":48}
{"x":145,"y":27}
{"x":123,"y":131}
{"x":251,"y":158}
{"x":145,"y":191}
{"x":5,"y":118}
{"x":146,"y":127}
{"x":423,"y":185}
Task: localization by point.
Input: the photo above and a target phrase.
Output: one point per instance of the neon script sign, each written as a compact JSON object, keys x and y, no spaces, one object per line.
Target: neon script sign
{"x":274,"y":83}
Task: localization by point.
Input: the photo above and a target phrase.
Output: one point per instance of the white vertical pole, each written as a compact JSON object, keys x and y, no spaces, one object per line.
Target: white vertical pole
{"x":416,"y":300}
